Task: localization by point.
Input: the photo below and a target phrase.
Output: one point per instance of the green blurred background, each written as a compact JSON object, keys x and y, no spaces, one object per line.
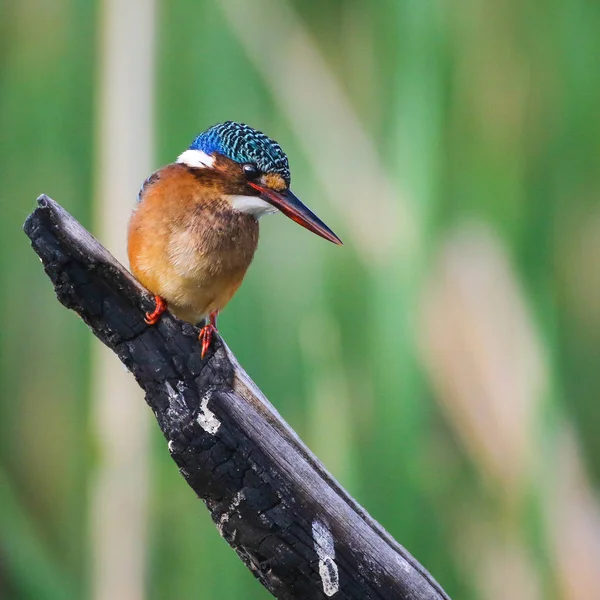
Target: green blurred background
{"x":444,"y":364}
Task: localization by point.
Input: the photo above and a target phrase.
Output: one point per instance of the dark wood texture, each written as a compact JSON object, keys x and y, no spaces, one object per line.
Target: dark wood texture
{"x":291,"y":523}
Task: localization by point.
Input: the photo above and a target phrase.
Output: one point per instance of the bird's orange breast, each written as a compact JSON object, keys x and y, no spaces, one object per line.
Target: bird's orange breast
{"x":187,"y":245}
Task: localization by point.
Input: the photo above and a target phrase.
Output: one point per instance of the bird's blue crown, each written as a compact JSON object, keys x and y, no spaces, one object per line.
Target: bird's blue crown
{"x":244,"y":144}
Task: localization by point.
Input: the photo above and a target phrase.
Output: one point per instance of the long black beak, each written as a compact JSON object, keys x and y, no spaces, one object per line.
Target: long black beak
{"x":290,"y":206}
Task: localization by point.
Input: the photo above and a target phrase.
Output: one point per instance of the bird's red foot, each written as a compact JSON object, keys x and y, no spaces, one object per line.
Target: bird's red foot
{"x":205,"y":337}
{"x":206,"y":333}
{"x":153,"y":317}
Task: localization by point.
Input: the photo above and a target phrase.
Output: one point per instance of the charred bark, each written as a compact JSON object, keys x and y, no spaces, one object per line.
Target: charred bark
{"x":291,"y":523}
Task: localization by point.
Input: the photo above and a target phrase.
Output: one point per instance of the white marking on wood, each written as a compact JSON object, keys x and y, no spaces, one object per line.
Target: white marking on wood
{"x":324,"y":547}
{"x":173,"y":395}
{"x":251,"y":205}
{"x":171,"y":446}
{"x":196,"y":159}
{"x":206,"y":418}
{"x":224,"y":518}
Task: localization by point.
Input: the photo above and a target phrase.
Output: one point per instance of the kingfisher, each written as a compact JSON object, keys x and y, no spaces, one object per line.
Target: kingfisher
{"x":194,"y":228}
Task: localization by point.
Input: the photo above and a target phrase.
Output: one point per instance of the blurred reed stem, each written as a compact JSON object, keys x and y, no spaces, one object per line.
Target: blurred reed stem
{"x":125,"y":157}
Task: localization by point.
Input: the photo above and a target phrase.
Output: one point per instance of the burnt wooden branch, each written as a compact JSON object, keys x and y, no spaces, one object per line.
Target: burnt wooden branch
{"x":291,"y":523}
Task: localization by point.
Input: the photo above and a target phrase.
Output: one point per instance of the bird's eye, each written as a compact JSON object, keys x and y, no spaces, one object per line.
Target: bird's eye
{"x":251,"y":171}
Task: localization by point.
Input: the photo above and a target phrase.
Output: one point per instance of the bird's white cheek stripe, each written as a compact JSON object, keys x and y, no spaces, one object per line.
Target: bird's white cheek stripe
{"x":196,"y":158}
{"x":252,"y":205}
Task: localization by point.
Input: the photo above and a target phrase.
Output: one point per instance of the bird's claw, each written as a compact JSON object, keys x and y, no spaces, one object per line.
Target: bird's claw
{"x":205,"y":338}
{"x":153,"y":317}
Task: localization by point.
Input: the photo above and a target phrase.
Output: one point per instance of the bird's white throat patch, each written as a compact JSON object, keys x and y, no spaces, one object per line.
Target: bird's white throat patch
{"x":251,"y":205}
{"x":196,"y":158}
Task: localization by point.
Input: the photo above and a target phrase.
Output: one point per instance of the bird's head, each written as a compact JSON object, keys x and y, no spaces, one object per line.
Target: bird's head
{"x":254,"y":173}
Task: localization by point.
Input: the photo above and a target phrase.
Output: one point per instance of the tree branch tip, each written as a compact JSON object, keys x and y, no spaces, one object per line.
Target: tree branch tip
{"x":43,"y":200}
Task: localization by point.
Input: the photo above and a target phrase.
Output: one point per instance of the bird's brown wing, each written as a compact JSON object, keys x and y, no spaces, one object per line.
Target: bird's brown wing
{"x":152,"y":179}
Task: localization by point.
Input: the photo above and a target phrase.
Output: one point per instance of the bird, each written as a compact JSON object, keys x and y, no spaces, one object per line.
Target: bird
{"x":194,"y":228}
